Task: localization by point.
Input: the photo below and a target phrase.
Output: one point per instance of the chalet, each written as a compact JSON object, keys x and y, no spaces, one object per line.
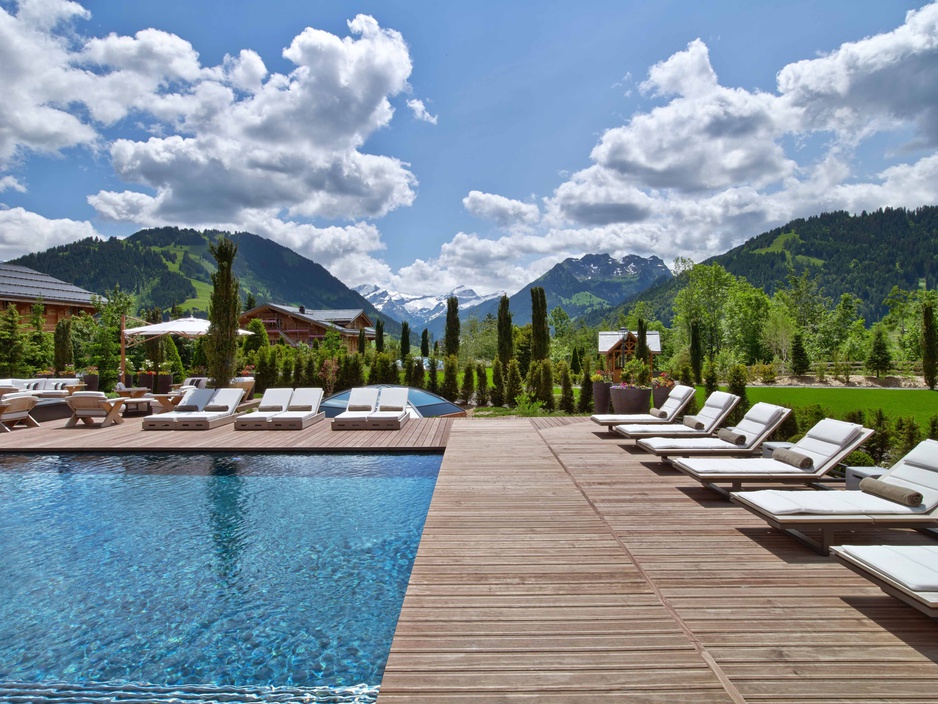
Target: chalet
{"x":293,"y":325}
{"x":618,"y":347}
{"x":22,"y":287}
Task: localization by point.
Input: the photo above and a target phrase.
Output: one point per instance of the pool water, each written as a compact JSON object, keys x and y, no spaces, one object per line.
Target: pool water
{"x":219,"y":571}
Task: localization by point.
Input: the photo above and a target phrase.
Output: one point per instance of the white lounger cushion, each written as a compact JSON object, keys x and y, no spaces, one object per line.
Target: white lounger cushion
{"x":757,"y":419}
{"x":744,"y":465}
{"x":782,"y":503}
{"x":305,"y":400}
{"x":656,"y":444}
{"x":914,"y":566}
{"x":393,"y":399}
{"x":275,"y":400}
{"x":361,"y":399}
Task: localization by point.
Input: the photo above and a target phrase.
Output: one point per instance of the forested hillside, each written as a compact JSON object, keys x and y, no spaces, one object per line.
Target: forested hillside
{"x":864,"y":255}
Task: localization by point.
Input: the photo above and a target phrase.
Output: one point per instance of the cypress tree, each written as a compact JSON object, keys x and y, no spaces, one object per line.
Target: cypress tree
{"x":696,"y":352}
{"x":512,"y":384}
{"x":11,"y":342}
{"x":425,"y":343}
{"x":62,"y":343}
{"x":356,"y":371}
{"x":545,"y":388}
{"x":540,"y":329}
{"x":221,"y":342}
{"x":498,"y":383}
{"x":585,"y":404}
{"x":575,"y":365}
{"x":433,"y":378}
{"x":879,"y":360}
{"x":566,"y":390}
{"x":641,"y":349}
{"x":362,"y":341}
{"x":482,"y":385}
{"x":506,"y":343}
{"x":379,"y":336}
{"x":468,"y":384}
{"x":450,"y":387}
{"x":710,"y":377}
{"x":451,"y":336}
{"x":405,"y":339}
{"x":736,"y":384}
{"x":800,"y":362}
{"x":929,"y":345}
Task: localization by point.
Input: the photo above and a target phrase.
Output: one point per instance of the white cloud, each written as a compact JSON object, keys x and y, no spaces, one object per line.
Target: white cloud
{"x":9,"y":183}
{"x":504,"y":212}
{"x":420,"y":111}
{"x":22,"y":232}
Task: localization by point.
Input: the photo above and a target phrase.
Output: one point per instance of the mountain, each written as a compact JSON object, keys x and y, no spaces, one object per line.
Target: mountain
{"x":864,"y":255}
{"x":421,"y":311}
{"x":579,"y":286}
{"x":168,"y":265}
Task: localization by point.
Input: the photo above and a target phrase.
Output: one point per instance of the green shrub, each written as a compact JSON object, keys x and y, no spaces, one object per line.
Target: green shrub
{"x":566,"y":390}
{"x":468,"y":384}
{"x":585,"y":403}
{"x":450,"y":388}
{"x":710,"y":377}
{"x":736,"y":381}
{"x":482,"y":385}
{"x":498,"y":383}
{"x":859,"y":458}
{"x":513,"y":382}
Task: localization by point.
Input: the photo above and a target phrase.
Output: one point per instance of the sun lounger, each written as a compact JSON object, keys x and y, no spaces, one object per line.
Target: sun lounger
{"x":827,"y":511}
{"x":302,"y":411}
{"x":15,"y":408}
{"x":906,"y":572}
{"x":715,"y":410}
{"x":220,"y":410}
{"x":193,"y":401}
{"x":94,"y":408}
{"x":826,"y":444}
{"x":361,"y":404}
{"x":392,"y":410}
{"x":273,"y":401}
{"x":677,"y":401}
{"x":743,"y":439}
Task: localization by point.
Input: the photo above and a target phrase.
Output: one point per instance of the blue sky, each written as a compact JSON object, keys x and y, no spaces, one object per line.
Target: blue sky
{"x":424,"y":145}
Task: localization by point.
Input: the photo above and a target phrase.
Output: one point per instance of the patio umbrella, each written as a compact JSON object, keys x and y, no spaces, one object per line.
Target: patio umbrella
{"x":184,"y":327}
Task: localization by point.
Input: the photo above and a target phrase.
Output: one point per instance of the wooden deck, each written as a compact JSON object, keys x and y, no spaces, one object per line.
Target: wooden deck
{"x":558,"y":566}
{"x":418,"y":435}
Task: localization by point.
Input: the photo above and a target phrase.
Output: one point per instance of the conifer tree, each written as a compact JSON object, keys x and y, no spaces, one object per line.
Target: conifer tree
{"x":800,"y":362}
{"x":468,"y":384}
{"x":879,"y":360}
{"x":64,"y":351}
{"x":172,"y":358}
{"x":540,"y":329}
{"x":379,"y":335}
{"x":258,"y":339}
{"x":38,"y":346}
{"x":545,"y":387}
{"x":417,"y":373}
{"x":362,"y":341}
{"x":498,"y":383}
{"x":405,"y":339}
{"x":736,"y":384}
{"x":482,"y":385}
{"x":710,"y":377}
{"x":450,"y":387}
{"x":250,"y":303}
{"x":575,"y":365}
{"x":641,"y":348}
{"x":585,"y":404}
{"x":506,"y":345}
{"x":512,"y":384}
{"x":356,"y":373}
{"x":11,"y":343}
{"x":696,"y":352}
{"x":221,"y":342}
{"x":566,"y":390}
{"x":433,"y":378}
{"x":451,"y":337}
{"x":425,"y":343}
{"x":929,"y":345}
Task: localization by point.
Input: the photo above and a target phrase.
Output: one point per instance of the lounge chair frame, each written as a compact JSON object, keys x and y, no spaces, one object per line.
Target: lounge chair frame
{"x":894,"y":588}
{"x":610,"y":419}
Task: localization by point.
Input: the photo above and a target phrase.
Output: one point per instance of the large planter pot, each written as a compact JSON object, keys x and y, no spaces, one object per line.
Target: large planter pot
{"x":659,"y":395}
{"x":630,"y":400}
{"x":146,"y":381}
{"x":128,"y":380}
{"x":601,"y":396}
{"x":90,"y":381}
{"x":164,"y":383}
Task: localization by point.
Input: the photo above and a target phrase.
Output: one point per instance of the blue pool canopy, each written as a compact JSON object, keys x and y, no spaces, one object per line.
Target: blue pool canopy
{"x":428,"y":405}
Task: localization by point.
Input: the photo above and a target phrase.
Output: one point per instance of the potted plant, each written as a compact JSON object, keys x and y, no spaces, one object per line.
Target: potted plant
{"x":146,"y":375}
{"x":633,"y":395}
{"x":661,"y":387}
{"x":164,"y":380}
{"x":89,"y":377}
{"x":601,"y":385}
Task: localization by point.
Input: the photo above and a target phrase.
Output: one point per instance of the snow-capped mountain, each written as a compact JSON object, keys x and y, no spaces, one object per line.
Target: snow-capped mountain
{"x":418,"y":311}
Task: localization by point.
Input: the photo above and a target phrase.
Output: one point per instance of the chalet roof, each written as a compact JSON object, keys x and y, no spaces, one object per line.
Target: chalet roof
{"x":608,"y":339}
{"x":326,"y":318}
{"x":18,"y":283}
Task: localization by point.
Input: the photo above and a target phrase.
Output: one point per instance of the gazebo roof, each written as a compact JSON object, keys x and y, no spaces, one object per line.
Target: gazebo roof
{"x":609,"y":339}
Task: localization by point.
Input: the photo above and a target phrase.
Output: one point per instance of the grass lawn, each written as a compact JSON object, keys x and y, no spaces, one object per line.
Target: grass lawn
{"x":920,"y":403}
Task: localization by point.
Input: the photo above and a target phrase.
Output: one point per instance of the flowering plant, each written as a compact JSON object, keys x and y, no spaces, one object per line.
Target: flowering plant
{"x":600,"y":375}
{"x":90,"y":369}
{"x":247,"y":371}
{"x":635,"y":375}
{"x":662,"y":381}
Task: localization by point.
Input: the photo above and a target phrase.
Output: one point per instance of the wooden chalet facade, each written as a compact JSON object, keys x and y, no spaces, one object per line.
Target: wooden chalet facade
{"x":294,"y":325}
{"x":22,"y":287}
{"x":617,"y":347}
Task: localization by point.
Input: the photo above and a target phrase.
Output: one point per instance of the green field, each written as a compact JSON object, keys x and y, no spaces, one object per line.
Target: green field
{"x":920,"y":403}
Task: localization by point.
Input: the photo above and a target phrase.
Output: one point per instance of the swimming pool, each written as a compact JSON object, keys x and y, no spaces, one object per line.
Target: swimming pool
{"x":212,"y":573}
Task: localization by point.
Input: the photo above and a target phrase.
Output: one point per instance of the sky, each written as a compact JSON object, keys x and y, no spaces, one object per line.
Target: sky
{"x":421,"y":145}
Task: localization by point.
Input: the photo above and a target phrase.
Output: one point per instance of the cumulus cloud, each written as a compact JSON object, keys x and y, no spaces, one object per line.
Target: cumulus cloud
{"x":504,"y":212}
{"x":9,"y":183}
{"x":420,"y":111}
{"x":24,"y":232}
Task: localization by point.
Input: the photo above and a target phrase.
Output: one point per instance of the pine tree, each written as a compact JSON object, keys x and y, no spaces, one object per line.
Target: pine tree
{"x":800,"y":362}
{"x":405,"y":339}
{"x":506,"y":345}
{"x":540,"y":329}
{"x":879,"y":360}
{"x":512,"y":384}
{"x":929,"y":345}
{"x":575,"y":365}
{"x":250,"y":303}
{"x":362,"y":341}
{"x":451,"y":337}
{"x":379,"y":335}
{"x":641,"y":348}
{"x":221,"y":342}
{"x":498,"y":383}
{"x":696,"y":352}
{"x":736,"y":384}
{"x":425,"y":343}
{"x":585,"y":404}
{"x":545,"y":388}
{"x":482,"y":385}
{"x":11,"y":343}
{"x":433,"y":375}
{"x":468,"y":384}
{"x":450,"y":387}
{"x":567,"y":404}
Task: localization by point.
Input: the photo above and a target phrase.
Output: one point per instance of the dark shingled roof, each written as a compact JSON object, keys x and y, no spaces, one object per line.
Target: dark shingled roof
{"x":17,"y":283}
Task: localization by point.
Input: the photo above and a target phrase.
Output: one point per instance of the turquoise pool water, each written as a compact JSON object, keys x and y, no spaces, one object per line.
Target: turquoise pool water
{"x":229,"y":573}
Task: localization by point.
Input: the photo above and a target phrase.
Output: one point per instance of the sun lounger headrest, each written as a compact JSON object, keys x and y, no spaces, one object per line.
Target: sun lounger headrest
{"x":924,"y":455}
{"x":305,"y":400}
{"x":764,"y":413}
{"x":719,"y":399}
{"x":837,"y":432}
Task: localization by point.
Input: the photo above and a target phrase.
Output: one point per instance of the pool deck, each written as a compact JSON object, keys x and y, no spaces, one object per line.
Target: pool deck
{"x":559,"y":565}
